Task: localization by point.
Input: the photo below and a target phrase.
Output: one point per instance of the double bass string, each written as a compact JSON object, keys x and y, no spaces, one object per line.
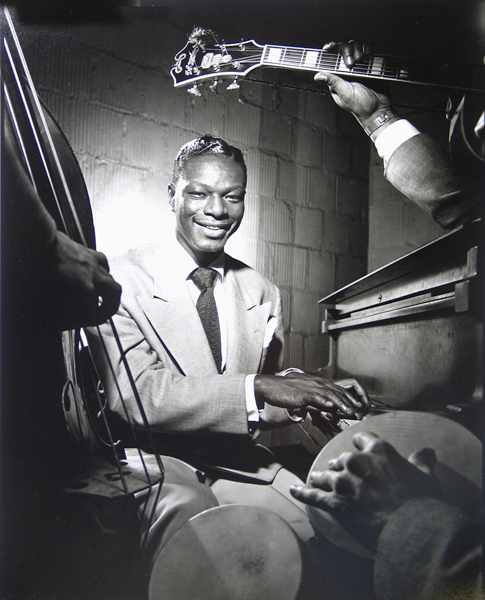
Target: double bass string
{"x":44,"y":146}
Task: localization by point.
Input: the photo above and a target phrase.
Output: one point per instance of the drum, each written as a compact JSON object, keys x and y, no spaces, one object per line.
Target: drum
{"x":230,"y":552}
{"x":459,"y":466}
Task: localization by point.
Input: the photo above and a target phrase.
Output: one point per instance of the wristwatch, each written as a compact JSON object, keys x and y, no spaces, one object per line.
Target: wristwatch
{"x":379,"y":121}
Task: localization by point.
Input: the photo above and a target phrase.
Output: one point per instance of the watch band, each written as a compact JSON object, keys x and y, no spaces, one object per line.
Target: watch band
{"x":379,"y":121}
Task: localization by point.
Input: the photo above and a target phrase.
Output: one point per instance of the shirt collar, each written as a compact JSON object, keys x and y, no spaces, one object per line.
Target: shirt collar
{"x":188,"y":264}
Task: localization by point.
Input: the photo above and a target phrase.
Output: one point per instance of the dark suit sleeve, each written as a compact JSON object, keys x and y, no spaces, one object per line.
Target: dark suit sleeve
{"x":424,"y":172}
{"x":428,"y":550}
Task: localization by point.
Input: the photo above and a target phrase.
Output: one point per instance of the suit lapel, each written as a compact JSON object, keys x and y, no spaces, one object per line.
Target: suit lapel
{"x":246,"y":324}
{"x":175,"y":320}
{"x":174,"y":317}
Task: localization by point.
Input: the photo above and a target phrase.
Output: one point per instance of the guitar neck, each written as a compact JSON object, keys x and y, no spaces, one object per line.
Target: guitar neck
{"x":464,"y":77}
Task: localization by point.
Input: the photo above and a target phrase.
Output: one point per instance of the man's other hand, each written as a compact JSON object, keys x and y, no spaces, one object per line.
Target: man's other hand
{"x":83,"y":292}
{"x":363,"y":103}
{"x":362,"y":489}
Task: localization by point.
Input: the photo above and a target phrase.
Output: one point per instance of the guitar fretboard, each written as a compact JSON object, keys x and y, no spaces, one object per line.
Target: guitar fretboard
{"x":308,"y":59}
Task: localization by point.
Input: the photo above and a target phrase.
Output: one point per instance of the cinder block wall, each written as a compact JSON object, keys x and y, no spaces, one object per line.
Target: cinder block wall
{"x":305,"y":226}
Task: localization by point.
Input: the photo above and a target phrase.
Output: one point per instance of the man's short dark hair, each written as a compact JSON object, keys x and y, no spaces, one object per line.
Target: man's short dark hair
{"x":206,"y":146}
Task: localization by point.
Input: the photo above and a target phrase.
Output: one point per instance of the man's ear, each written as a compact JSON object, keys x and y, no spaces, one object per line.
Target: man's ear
{"x":171,"y":195}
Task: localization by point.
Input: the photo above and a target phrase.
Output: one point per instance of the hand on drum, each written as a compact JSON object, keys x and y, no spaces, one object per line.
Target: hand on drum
{"x":362,"y":489}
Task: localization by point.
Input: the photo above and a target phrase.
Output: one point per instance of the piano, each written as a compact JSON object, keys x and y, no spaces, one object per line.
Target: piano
{"x":412,"y":331}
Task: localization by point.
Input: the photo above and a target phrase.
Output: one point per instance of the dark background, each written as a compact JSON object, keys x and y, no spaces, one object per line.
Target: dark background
{"x":433,"y":29}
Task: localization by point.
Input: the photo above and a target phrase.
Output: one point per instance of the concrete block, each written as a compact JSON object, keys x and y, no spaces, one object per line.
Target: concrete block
{"x":290,"y":266}
{"x":276,"y":134}
{"x":309,"y":145}
{"x":253,"y":164}
{"x":61,"y":108}
{"x":268,"y":173}
{"x":293,"y":351}
{"x":114,"y":83}
{"x":348,"y":125}
{"x":276,"y":222}
{"x":292,"y":182}
{"x":308,"y":227}
{"x":336,"y":238}
{"x":251,"y":93}
{"x":377,"y":257}
{"x":163,"y":102}
{"x":205,"y":114}
{"x":337,"y":154}
{"x":143,"y":142}
{"x":140,"y":218}
{"x":358,"y":237}
{"x":321,"y":273}
{"x":322,"y":189}
{"x":315,"y":352}
{"x":360,"y":158}
{"x":385,"y":225}
{"x":320,"y":110}
{"x":98,"y":131}
{"x":350,"y":196}
{"x":349,"y":268}
{"x":250,"y":223}
{"x":305,"y":315}
{"x":241,"y":123}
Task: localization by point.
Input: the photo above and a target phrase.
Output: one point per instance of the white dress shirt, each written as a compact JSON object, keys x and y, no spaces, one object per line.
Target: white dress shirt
{"x":395,"y":134}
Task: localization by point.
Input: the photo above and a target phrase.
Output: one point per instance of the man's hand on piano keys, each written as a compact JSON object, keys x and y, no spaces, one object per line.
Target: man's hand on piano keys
{"x":298,"y":392}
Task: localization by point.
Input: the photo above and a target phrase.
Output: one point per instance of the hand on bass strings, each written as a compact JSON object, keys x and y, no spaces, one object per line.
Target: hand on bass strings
{"x":69,"y":284}
{"x":83,"y":291}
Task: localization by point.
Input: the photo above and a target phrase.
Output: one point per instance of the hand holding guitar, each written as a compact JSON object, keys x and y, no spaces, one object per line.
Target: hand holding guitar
{"x":363,"y":103}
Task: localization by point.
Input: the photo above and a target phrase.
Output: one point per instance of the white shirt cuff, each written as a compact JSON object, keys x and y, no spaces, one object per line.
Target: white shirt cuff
{"x":394,"y":136}
{"x":252,"y":407}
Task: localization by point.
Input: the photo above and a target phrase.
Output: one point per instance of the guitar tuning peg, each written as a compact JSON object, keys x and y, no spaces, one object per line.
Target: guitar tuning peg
{"x":213,"y":87}
{"x":234,"y":85}
{"x":194,"y":90}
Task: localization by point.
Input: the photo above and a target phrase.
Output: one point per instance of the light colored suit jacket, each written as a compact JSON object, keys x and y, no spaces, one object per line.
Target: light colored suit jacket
{"x":424,"y":172}
{"x":169,"y":355}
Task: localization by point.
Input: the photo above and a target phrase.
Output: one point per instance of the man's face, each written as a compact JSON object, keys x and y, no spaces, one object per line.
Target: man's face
{"x":208,"y":202}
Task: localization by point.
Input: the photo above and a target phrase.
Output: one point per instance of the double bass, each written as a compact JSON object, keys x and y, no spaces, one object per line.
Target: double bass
{"x":41,"y":472}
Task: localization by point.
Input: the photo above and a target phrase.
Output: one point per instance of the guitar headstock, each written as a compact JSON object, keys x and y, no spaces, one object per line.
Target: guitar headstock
{"x":204,"y":58}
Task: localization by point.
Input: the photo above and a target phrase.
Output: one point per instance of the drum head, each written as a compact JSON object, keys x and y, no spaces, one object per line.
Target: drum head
{"x":459,"y":467}
{"x":231,"y":552}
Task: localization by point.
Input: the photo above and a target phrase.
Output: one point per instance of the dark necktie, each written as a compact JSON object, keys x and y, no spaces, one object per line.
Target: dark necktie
{"x":206,"y":307}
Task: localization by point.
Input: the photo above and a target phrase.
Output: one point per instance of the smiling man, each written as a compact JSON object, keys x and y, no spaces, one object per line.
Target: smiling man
{"x":203,"y":336}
